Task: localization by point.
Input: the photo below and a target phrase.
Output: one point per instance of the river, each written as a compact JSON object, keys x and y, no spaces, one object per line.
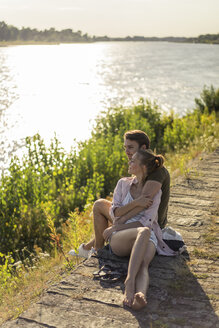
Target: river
{"x":60,"y":89}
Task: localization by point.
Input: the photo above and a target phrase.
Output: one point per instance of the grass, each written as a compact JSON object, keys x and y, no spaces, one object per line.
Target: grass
{"x":30,"y":285}
{"x":204,"y":253}
{"x":213,"y":298}
{"x":26,"y":286}
{"x":181,"y":162}
{"x":201,"y":275}
{"x":209,"y":237}
{"x":159,"y":324}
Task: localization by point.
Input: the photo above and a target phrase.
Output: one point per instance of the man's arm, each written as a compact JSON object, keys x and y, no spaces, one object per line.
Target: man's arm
{"x":149,"y":190}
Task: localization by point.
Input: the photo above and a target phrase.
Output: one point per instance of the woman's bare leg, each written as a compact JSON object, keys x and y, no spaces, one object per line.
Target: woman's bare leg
{"x":101,"y":220}
{"x":135,"y":262}
{"x":132,"y":241}
{"x":142,"y":279}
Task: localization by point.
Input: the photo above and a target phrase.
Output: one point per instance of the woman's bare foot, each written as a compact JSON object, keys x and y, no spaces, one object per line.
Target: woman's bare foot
{"x":139,"y":301}
{"x":129,"y":293}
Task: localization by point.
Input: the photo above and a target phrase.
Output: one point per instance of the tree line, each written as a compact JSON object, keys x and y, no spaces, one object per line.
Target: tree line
{"x":10,"y":33}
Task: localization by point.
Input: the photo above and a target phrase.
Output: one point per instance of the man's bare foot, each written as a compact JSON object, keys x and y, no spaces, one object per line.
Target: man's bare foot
{"x":139,"y":301}
{"x":129,"y":293}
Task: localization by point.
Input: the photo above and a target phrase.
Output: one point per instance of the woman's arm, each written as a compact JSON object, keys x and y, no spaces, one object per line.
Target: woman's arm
{"x":138,"y":202}
{"x":141,"y":203}
{"x":149,"y":190}
{"x":149,"y":216}
{"x":118,"y":209}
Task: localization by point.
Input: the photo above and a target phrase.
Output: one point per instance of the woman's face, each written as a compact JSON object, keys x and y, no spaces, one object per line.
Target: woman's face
{"x":135,"y":166}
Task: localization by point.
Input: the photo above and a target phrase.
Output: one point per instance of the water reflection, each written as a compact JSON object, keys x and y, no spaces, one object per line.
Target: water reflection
{"x":61,"y":88}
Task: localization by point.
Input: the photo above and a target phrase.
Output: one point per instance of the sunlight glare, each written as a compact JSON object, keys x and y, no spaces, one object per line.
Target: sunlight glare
{"x":46,"y":85}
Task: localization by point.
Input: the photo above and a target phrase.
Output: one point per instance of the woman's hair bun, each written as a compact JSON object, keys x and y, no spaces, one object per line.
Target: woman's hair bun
{"x":159,"y":161}
{"x":152,"y":161}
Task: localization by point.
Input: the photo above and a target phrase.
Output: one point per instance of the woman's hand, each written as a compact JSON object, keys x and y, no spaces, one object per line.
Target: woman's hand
{"x":144,"y":201}
{"x":108,"y":232}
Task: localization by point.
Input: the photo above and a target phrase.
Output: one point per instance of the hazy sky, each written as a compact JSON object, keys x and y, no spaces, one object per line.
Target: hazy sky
{"x":116,"y":17}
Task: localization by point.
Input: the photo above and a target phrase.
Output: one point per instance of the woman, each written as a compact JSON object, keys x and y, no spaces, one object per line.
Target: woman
{"x":141,"y":235}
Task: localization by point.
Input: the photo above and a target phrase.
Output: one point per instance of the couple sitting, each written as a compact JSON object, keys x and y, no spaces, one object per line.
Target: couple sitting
{"x":132,"y":222}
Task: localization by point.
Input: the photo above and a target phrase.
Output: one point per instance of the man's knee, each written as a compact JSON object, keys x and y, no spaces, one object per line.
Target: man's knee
{"x":98,"y":205}
{"x":102,"y":206}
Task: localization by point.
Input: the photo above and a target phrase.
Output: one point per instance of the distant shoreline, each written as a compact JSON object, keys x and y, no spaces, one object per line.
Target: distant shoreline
{"x":23,"y":43}
{"x":11,"y":35}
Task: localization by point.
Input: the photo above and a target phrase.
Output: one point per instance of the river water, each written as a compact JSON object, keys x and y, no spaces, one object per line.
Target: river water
{"x":60,"y":89}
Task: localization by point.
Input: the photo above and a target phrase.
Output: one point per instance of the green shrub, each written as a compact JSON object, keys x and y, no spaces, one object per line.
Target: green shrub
{"x":209,"y":100}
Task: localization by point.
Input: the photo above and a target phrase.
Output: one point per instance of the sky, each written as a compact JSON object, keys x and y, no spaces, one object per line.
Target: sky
{"x":116,"y":17}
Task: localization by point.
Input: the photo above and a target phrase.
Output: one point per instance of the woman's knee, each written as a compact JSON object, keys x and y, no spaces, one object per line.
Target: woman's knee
{"x":144,"y":232}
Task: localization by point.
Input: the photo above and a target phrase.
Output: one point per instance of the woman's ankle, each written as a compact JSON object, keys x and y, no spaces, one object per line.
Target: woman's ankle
{"x":129,"y":281}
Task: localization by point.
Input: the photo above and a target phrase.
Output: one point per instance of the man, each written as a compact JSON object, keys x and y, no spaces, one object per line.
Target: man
{"x":133,"y":140}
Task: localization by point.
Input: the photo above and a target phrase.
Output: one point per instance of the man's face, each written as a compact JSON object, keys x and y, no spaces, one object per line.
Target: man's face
{"x":130,"y":147}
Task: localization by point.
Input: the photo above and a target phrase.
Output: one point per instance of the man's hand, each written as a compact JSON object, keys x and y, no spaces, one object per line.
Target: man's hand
{"x":108,"y":232}
{"x":144,"y":201}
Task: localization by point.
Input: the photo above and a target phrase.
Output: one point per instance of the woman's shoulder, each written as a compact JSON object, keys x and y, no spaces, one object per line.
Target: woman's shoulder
{"x":126,"y":179}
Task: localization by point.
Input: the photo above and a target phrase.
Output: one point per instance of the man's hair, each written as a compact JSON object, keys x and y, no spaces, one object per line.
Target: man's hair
{"x":139,"y":136}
